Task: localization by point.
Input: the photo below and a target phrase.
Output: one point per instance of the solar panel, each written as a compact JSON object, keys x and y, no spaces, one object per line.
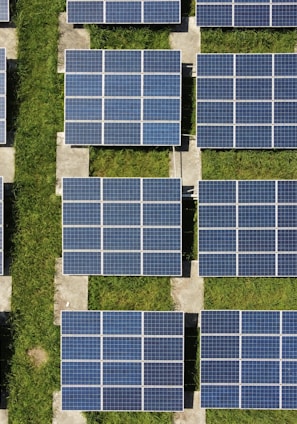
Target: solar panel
{"x":123,"y":97}
{"x":4,"y":10}
{"x":246,"y":13}
{"x":249,"y":359}
{"x":247,"y":228}
{"x":122,"y":226}
{"x":123,"y":11}
{"x":2,"y":94}
{"x":122,"y":361}
{"x":1,"y":226}
{"x":247,"y":101}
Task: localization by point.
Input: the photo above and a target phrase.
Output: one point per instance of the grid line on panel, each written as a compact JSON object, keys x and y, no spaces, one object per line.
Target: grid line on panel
{"x":276,"y":228}
{"x":273,"y":98}
{"x":280,"y":356}
{"x":237,"y":230}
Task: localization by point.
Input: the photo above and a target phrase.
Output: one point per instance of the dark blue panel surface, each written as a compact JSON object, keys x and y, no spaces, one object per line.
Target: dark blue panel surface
{"x":80,"y":322}
{"x":83,"y":109}
{"x":121,"y":348}
{"x":160,"y":189}
{"x":81,"y":398}
{"x":161,"y":11}
{"x":81,"y":263}
{"x":121,"y":399}
{"x":215,"y":65}
{"x":81,"y":189}
{"x":253,"y":113}
{"x":256,"y":241}
{"x":83,"y":133}
{"x":122,"y":323}
{"x":161,"y":214}
{"x":122,"y":133}
{"x":220,"y":322}
{"x":287,"y":265}
{"x":123,"y":12}
{"x":81,"y":373}
{"x":217,"y":216}
{"x":256,"y":347}
{"x":219,"y":396}
{"x":251,"y":16}
{"x":289,"y":322}
{"x":121,"y":263}
{"x":256,"y":192}
{"x":121,"y":239}
{"x":83,"y":85}
{"x":285,"y":88}
{"x":75,"y":238}
{"x":253,"y":89}
{"x":123,"y":61}
{"x":220,"y":347}
{"x":215,"y":88}
{"x":285,"y":64}
{"x":289,"y":397}
{"x":81,"y":214}
{"x":169,"y":399}
{"x":285,"y":112}
{"x":289,"y":372}
{"x":83,"y":12}
{"x":217,"y":265}
{"x":287,"y":216}
{"x":83,"y":60}
{"x":287,"y":240}
{"x":121,"y":373}
{"x":161,"y":109}
{"x":213,"y":15}
{"x":260,"y":397}
{"x":256,"y":265}
{"x":259,"y":372}
{"x":219,"y":371}
{"x":161,"y":61}
{"x":122,"y":109}
{"x":215,"y":112}
{"x":266,"y":322}
{"x":217,"y":191}
{"x":122,"y":85}
{"x":164,"y":349}
{"x":81,"y":348}
{"x":289,"y":347}
{"x":256,"y":216}
{"x":167,"y":134}
{"x":253,"y":137}
{"x":162,"y":264}
{"x":121,"y":214}
{"x":215,"y":136}
{"x":217,"y":241}
{"x":287,"y":191}
{"x":163,"y":323}
{"x":121,"y":189}
{"x":284,"y":15}
{"x":161,"y":85}
{"x":253,"y":65}
{"x":161,"y":239}
{"x":163,"y":374}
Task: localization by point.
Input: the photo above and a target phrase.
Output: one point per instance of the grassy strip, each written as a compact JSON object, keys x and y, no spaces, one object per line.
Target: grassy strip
{"x":249,"y":293}
{"x":38,"y":237}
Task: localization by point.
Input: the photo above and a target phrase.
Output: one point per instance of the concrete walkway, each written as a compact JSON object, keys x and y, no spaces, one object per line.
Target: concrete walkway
{"x":70,"y":38}
{"x":8,"y":39}
{"x":70,"y":162}
{"x":186,"y":37}
{"x":7,"y":164}
{"x":5,"y":295}
{"x":65,"y":417}
{"x":71,"y":292}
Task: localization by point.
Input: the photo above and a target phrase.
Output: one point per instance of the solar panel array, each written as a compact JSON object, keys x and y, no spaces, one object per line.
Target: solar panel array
{"x":1,"y":226}
{"x":123,"y":97}
{"x":247,"y":101}
{"x":249,"y":359}
{"x":123,"y":11}
{"x":122,"y":361}
{"x":122,"y":226}
{"x":2,"y":95}
{"x":246,"y":13}
{"x":4,"y":10}
{"x":247,"y":228}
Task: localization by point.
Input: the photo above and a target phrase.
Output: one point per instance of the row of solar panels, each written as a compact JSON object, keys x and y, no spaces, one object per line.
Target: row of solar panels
{"x":134,"y":361}
{"x":132,"y":226}
{"x":209,"y":13}
{"x":133,"y":97}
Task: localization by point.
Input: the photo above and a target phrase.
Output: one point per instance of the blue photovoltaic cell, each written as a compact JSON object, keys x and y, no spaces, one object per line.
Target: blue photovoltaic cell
{"x":245,"y":13}
{"x":3,"y":79}
{"x":117,"y":97}
{"x":246,"y":101}
{"x":247,"y":228}
{"x":122,"y":226}
{"x":123,"y":12}
{"x":116,"y":358}
{"x":260,"y":370}
{"x":4,"y":11}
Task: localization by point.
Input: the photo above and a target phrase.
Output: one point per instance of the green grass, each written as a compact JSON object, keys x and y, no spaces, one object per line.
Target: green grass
{"x":37,"y":241}
{"x":250,"y":417}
